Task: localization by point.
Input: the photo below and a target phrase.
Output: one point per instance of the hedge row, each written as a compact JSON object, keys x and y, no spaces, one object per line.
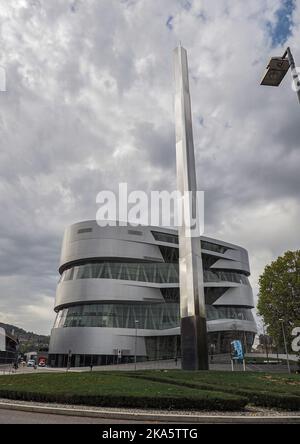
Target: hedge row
{"x":219,"y":401}
{"x":284,"y":401}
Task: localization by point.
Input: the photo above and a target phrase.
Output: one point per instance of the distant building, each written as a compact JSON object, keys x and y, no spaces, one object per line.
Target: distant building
{"x":30,"y":356}
{"x":118,"y":296}
{"x":8,"y":347}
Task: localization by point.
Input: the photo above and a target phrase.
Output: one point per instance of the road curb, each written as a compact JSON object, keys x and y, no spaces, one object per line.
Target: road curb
{"x":152,"y":417}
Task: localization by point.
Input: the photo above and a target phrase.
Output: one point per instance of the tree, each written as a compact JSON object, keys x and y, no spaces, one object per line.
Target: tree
{"x":279,"y":296}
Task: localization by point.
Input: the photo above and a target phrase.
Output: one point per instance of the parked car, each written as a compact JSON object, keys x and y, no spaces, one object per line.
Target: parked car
{"x":31,"y":363}
{"x":42,"y":363}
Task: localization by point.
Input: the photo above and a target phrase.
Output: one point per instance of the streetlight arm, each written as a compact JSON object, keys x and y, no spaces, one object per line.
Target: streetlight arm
{"x":294,"y":73}
{"x":277,"y":69}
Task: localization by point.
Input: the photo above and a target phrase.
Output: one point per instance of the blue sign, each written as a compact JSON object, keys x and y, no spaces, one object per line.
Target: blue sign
{"x":237,"y":350}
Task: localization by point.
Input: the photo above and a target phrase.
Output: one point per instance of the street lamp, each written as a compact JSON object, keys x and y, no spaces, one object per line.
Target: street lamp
{"x":265,"y":341}
{"x":277,"y":69}
{"x":285,"y":345}
{"x":136,"y":327}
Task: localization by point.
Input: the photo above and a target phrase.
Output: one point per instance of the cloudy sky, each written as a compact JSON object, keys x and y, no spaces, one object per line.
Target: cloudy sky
{"x":89,"y":104}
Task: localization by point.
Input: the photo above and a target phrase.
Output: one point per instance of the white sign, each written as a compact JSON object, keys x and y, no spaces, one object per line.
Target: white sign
{"x":296,"y":341}
{"x":2,"y":339}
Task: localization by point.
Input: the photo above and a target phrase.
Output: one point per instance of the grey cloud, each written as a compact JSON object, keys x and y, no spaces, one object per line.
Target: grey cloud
{"x":158,"y":144}
{"x":89,"y":105}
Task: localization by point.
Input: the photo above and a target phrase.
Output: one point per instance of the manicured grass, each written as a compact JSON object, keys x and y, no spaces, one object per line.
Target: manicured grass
{"x":159,"y":389}
{"x":114,"y":389}
{"x":263,"y":389}
{"x":282,"y":383}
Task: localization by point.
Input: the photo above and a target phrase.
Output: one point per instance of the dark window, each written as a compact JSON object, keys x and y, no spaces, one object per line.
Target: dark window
{"x":169,"y":254}
{"x":165,"y":237}
{"x":212,"y":294}
{"x":213,"y":247}
{"x":135,"y":232}
{"x":208,"y":260}
{"x":84,"y":230}
{"x":170,"y":294}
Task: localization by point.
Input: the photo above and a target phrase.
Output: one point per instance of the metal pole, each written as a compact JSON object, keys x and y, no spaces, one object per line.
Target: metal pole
{"x":136,"y":323}
{"x":194,"y":353}
{"x":294,"y":73}
{"x":285,"y":346}
{"x":266,"y":343}
{"x":245,"y":343}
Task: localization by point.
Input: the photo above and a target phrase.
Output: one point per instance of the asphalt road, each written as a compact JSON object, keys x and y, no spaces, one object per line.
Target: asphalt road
{"x":18,"y":417}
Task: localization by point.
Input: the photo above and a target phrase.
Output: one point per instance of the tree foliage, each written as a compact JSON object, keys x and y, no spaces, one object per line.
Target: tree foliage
{"x":279,"y":295}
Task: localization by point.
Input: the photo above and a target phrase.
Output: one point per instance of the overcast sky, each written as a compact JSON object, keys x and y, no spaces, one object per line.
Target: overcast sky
{"x":89,"y":104}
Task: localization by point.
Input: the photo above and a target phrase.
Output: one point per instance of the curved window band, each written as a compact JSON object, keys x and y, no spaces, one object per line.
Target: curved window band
{"x":164,"y":273}
{"x":148,"y":316}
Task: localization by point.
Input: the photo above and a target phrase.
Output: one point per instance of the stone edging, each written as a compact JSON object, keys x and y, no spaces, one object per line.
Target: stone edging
{"x":167,"y":418}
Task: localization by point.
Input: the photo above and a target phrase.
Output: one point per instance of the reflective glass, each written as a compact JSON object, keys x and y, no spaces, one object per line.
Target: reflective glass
{"x":149,"y":316}
{"x":156,"y":272}
{"x":213,"y":247}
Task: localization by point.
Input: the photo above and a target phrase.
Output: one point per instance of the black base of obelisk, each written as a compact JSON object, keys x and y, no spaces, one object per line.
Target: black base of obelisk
{"x":194,"y":351}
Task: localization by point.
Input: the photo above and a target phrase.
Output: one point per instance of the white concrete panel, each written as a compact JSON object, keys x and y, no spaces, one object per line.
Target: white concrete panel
{"x":97,"y":290}
{"x":240,"y":295}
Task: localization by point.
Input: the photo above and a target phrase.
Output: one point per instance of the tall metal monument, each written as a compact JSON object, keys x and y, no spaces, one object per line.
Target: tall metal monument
{"x":192,"y":302}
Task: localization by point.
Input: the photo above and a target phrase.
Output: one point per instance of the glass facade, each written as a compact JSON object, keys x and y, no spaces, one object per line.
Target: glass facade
{"x":213,"y":247}
{"x":225,"y":276}
{"x":159,"y":272}
{"x":169,"y":347}
{"x":214,"y":312}
{"x":10,"y":354}
{"x":165,"y":237}
{"x":212,"y":294}
{"x":220,"y":341}
{"x":169,"y":254}
{"x":164,"y":273}
{"x":160,"y":347}
{"x":150,"y":316}
{"x":173,"y":239}
{"x":155,"y":316}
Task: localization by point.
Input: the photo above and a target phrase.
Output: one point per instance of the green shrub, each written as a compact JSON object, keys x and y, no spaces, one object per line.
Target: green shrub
{"x":284,"y":401}
{"x":205,"y":400}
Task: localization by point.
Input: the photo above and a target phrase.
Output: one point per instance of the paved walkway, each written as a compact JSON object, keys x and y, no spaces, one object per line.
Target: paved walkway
{"x":19,"y":417}
{"x":15,"y":412}
{"x":219,"y":363}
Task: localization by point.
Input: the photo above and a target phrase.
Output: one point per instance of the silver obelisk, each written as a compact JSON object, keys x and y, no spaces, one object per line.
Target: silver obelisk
{"x":192,"y":302}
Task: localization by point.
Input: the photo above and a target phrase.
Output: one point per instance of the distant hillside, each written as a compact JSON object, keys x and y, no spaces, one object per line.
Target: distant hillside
{"x":28,"y":340}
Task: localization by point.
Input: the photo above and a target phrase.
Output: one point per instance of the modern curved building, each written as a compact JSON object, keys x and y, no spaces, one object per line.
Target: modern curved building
{"x":118,"y":295}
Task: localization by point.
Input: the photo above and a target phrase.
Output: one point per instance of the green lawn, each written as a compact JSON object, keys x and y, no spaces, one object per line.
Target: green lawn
{"x":269,"y":382}
{"x":168,"y":389}
{"x":114,"y":389}
{"x":264,"y":389}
